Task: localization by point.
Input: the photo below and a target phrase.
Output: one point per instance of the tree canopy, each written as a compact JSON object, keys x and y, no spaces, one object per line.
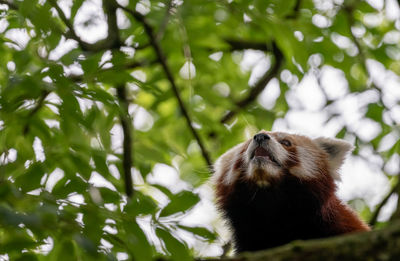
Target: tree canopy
{"x":96,"y":95}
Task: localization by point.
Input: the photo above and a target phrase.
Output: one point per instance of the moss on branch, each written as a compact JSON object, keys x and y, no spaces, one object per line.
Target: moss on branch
{"x":383,"y":244}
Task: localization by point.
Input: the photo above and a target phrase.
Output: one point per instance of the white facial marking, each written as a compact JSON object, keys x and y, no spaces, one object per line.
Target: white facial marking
{"x":260,"y":169}
{"x":224,"y":166}
{"x":269,"y":168}
{"x":280,"y":153}
{"x":308,"y":167}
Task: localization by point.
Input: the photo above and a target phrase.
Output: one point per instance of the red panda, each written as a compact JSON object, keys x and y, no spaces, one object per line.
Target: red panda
{"x":279,"y":187}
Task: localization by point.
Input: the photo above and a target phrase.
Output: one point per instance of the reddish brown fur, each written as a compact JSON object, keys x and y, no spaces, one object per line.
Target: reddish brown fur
{"x":290,"y":207}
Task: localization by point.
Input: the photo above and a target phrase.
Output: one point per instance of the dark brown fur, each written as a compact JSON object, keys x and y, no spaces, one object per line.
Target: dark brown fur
{"x":289,"y":208}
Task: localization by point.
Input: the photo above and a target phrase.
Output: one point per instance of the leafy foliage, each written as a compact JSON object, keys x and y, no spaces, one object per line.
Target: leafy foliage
{"x":78,"y":117}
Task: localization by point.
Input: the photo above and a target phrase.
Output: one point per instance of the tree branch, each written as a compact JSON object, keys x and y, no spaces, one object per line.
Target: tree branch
{"x":163,"y":61}
{"x":38,"y":106}
{"x":295,"y":12}
{"x":349,"y":9}
{"x":110,"y":8}
{"x":258,"y":88}
{"x":127,"y":142}
{"x":112,"y":40}
{"x":238,"y":44}
{"x":350,"y":19}
{"x":378,"y":209}
{"x":71,"y":31}
{"x":164,"y":22}
{"x":396,"y":214}
{"x":374,"y":245}
{"x":131,"y":65}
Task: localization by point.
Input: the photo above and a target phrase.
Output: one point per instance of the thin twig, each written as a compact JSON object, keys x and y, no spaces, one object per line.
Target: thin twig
{"x":350,"y":21}
{"x":349,"y":9}
{"x":164,"y":22}
{"x":396,"y":214}
{"x":163,"y":61}
{"x":295,"y":12}
{"x":131,"y":65}
{"x":238,"y":44}
{"x":127,"y":142}
{"x":258,"y":88}
{"x":362,"y":54}
{"x":378,"y":209}
{"x":38,"y":106}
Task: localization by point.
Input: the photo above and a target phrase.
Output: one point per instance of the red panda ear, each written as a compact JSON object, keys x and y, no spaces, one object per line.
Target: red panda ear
{"x":336,"y":150}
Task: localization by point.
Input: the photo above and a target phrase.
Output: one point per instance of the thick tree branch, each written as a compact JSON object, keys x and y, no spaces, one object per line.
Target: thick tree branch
{"x":374,"y":217}
{"x":110,"y":8}
{"x":378,"y":245}
{"x":163,"y":61}
{"x":258,"y":88}
{"x":127,"y":142}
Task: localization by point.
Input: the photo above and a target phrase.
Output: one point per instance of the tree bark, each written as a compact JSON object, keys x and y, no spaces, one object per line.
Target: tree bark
{"x":383,"y":244}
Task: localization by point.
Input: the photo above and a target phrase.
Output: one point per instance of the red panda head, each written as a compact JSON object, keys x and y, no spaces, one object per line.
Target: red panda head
{"x":269,"y":156}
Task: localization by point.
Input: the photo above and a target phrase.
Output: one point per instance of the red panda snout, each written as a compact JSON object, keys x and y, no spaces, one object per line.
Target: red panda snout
{"x":265,"y":158}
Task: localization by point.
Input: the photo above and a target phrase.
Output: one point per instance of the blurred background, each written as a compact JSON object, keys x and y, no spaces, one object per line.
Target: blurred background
{"x":112,"y":114}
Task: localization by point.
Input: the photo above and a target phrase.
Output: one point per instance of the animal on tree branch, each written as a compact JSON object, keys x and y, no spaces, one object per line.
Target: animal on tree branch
{"x":279,"y":187}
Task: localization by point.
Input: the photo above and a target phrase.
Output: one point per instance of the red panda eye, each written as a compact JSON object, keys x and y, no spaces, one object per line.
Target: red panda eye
{"x":286,"y":143}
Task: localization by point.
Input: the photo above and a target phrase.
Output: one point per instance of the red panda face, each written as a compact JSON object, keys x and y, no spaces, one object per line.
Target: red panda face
{"x":269,"y":156}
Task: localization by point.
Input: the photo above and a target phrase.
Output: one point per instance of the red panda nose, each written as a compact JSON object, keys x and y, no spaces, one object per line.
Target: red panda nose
{"x":261,"y":137}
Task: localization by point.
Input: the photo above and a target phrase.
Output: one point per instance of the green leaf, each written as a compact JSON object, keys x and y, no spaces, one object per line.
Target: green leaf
{"x":375,"y":112}
{"x":17,"y":242}
{"x":31,"y":179}
{"x":101,"y":164}
{"x":27,"y":257}
{"x":176,"y":249}
{"x":141,"y":204}
{"x":136,"y":242}
{"x":86,"y":244}
{"x":181,"y":202}
{"x":200,"y":231}
{"x":66,"y":251}
{"x":76,"y":4}
{"x":63,"y":188}
{"x":109,"y":196}
{"x":341,"y":133}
